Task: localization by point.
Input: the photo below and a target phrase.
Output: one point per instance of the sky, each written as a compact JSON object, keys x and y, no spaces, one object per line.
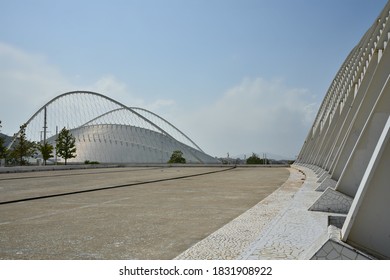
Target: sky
{"x":236,"y":76}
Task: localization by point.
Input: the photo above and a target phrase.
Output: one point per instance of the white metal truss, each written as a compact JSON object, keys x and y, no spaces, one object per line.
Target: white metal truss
{"x":109,"y":131}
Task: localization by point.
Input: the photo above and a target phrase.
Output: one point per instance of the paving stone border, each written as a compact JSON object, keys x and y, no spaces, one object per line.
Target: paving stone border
{"x":278,"y":227}
{"x":332,"y":201}
{"x":281,"y":227}
{"x":230,"y":241}
{"x":330,"y":247}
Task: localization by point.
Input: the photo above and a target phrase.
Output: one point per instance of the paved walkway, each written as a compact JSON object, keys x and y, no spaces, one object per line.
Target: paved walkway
{"x":124,"y":213}
{"x":279,"y":227}
{"x":112,"y":225}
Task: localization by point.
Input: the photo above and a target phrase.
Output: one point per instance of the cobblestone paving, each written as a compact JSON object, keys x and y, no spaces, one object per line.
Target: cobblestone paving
{"x":262,"y":231}
{"x":296,"y":228}
{"x":279,"y":227}
{"x":332,"y":201}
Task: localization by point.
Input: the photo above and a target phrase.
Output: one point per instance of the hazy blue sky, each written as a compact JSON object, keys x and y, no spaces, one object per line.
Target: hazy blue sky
{"x":236,"y":76}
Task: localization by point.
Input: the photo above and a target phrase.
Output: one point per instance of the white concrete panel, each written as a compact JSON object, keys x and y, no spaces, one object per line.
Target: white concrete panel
{"x":350,"y":107}
{"x":370,"y":97}
{"x":367,"y":224}
{"x":361,"y":154}
{"x":349,"y":140}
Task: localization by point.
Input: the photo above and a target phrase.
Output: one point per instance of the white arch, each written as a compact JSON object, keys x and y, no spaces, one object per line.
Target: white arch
{"x":79,"y":109}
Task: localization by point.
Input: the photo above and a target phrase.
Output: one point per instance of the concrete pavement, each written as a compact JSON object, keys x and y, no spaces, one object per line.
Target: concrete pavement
{"x":278,"y":227}
{"x":157,"y":220}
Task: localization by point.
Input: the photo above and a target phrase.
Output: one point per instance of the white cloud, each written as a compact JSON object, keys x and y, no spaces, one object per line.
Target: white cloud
{"x":256,"y":115}
{"x":110,"y":86}
{"x":28,"y":81}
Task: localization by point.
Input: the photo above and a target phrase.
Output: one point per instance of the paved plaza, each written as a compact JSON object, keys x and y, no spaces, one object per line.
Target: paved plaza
{"x":279,"y":227}
{"x":133,"y":212}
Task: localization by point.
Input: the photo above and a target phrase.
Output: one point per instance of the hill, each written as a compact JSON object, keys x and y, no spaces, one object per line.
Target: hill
{"x":7,"y":139}
{"x":267,"y":155}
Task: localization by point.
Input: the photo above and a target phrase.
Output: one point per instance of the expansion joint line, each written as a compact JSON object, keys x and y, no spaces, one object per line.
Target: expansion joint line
{"x":115,"y":187}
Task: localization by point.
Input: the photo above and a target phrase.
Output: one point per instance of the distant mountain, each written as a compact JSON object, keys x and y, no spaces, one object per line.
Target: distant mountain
{"x":7,"y":138}
{"x":261,"y":155}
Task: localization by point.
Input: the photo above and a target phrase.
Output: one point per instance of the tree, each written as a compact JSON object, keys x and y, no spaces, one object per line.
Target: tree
{"x":65,"y":145}
{"x":177,"y":157}
{"x":3,"y":148}
{"x":22,"y":148}
{"x":46,"y":150}
{"x":254,"y":159}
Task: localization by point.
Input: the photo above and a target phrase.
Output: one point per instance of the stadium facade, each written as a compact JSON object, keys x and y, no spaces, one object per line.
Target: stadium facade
{"x":107,"y":131}
{"x":348,"y":148}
